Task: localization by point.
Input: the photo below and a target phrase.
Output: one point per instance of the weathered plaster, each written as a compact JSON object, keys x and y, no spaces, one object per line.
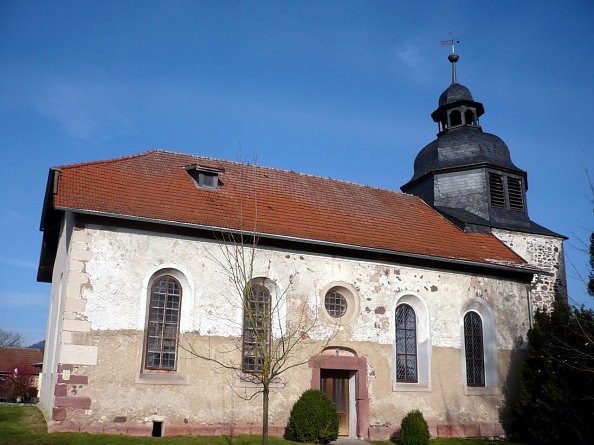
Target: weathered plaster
{"x":114,"y":281}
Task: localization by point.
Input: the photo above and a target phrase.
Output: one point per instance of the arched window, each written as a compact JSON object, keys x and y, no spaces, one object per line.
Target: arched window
{"x":455,"y":118}
{"x":469,"y":117}
{"x":256,"y":327}
{"x":163,"y":324}
{"x":474,"y":350}
{"x":406,"y":344}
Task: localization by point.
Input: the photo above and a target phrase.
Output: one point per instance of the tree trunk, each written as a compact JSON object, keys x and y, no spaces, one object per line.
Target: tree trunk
{"x":265,"y":393}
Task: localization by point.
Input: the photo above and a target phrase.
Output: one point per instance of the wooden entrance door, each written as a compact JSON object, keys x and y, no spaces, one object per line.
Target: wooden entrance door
{"x":335,"y":383}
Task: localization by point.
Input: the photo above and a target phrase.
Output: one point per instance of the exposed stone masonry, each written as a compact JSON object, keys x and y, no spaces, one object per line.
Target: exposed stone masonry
{"x":544,"y":253}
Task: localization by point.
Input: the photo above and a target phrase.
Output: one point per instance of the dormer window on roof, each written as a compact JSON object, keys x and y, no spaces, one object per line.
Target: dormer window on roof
{"x":205,"y":177}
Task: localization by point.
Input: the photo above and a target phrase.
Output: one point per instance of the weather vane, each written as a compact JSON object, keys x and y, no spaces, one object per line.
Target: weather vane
{"x":451,"y":42}
{"x":453,"y":58}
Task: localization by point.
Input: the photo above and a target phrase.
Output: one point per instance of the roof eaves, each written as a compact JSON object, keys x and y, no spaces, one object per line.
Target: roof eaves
{"x":469,"y":166}
{"x":493,"y":264}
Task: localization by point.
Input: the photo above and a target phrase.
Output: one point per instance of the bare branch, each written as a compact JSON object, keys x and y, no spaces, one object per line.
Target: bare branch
{"x":10,"y":339}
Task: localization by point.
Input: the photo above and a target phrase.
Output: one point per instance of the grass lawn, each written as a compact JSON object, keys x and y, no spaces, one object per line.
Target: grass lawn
{"x":26,"y":425}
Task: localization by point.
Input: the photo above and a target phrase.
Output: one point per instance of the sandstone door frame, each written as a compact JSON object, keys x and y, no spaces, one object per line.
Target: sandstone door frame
{"x":358,"y":365}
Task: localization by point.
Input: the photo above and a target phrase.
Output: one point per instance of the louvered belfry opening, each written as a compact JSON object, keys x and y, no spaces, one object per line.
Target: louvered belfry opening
{"x":473,"y":345}
{"x":497,"y":190}
{"x":515,"y":195}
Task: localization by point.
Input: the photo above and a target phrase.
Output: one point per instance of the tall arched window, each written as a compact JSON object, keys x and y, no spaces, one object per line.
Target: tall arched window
{"x":473,"y":346}
{"x":256,"y":327}
{"x":163,"y":324}
{"x":406,"y":344}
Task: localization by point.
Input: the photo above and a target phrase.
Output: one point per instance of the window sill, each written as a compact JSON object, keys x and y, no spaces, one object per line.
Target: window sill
{"x":160,"y":378}
{"x":248,"y":381}
{"x":411,"y":387}
{"x":481,"y":390}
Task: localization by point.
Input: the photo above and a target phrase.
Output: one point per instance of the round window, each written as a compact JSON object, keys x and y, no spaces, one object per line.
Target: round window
{"x":335,"y":303}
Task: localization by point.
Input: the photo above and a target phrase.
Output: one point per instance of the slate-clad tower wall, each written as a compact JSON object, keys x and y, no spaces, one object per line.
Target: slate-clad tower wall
{"x":468,"y":176}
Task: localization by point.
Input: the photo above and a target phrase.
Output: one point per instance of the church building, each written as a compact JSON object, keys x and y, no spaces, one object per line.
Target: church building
{"x":165,"y":267}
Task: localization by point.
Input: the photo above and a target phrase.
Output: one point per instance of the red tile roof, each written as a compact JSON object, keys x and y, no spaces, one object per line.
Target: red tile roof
{"x":23,"y":358}
{"x":155,"y":185}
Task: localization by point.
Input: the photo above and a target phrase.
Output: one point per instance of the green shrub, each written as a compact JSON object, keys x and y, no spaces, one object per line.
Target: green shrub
{"x":414,"y":429}
{"x":313,"y":418}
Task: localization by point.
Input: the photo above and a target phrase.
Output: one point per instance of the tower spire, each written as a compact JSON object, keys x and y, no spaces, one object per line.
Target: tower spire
{"x":453,"y":57}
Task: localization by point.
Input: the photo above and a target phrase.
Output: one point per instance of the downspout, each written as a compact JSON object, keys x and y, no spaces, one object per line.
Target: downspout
{"x":529,"y":296}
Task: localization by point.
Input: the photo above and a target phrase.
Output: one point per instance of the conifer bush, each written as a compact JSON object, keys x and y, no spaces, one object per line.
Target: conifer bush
{"x":313,"y":418}
{"x":554,"y":403}
{"x":414,"y":429}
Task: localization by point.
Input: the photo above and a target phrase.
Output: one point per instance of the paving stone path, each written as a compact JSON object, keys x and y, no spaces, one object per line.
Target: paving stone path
{"x":350,"y":442}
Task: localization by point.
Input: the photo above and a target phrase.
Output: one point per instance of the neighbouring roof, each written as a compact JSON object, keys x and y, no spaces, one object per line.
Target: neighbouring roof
{"x":156,"y":186}
{"x":22,"y":358}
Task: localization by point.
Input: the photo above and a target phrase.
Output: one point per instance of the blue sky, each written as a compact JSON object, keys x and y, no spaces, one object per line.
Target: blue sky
{"x":342,"y":89}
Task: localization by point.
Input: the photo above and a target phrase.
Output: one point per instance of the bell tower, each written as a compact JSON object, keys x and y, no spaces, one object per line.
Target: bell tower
{"x":468,"y":176}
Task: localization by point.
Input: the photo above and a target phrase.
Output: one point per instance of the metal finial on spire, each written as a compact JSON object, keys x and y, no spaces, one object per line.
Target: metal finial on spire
{"x":453,"y":58}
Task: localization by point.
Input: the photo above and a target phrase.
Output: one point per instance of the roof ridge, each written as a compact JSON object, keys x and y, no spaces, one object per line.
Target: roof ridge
{"x":260,"y":166}
{"x":283,"y":170}
{"x":117,"y":159}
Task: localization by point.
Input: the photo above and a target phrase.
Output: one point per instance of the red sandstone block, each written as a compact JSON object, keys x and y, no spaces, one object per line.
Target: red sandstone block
{"x":499,"y":431}
{"x":222,"y":430}
{"x":73,"y":402}
{"x":140,"y":430}
{"x":491,"y":430}
{"x":62,"y":367}
{"x":236,"y":430}
{"x":276,"y":431}
{"x":472,"y":430}
{"x":379,"y":432}
{"x":74,"y":379}
{"x":178,"y":430}
{"x":456,"y":430}
{"x":65,"y":427}
{"x":203,"y":430}
{"x":433,"y":430}
{"x":92,"y":428}
{"x":115,"y":429}
{"x":59,"y":414}
{"x":61,"y":390}
{"x":444,"y":431}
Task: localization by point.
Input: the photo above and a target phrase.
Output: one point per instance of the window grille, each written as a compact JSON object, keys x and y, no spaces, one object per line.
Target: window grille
{"x":335,"y":304}
{"x":473,"y":345}
{"x":163,"y":324}
{"x":406,"y":344}
{"x":256,"y":328}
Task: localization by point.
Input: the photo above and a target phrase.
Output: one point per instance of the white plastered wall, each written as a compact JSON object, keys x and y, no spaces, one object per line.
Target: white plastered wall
{"x":123,"y":261}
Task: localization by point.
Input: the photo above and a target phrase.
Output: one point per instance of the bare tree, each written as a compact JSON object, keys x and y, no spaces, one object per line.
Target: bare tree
{"x":275,"y":332}
{"x":10,"y":339}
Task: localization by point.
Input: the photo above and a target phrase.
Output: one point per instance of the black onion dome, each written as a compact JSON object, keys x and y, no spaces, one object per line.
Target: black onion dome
{"x":462,"y":147}
{"x":454,"y":93}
